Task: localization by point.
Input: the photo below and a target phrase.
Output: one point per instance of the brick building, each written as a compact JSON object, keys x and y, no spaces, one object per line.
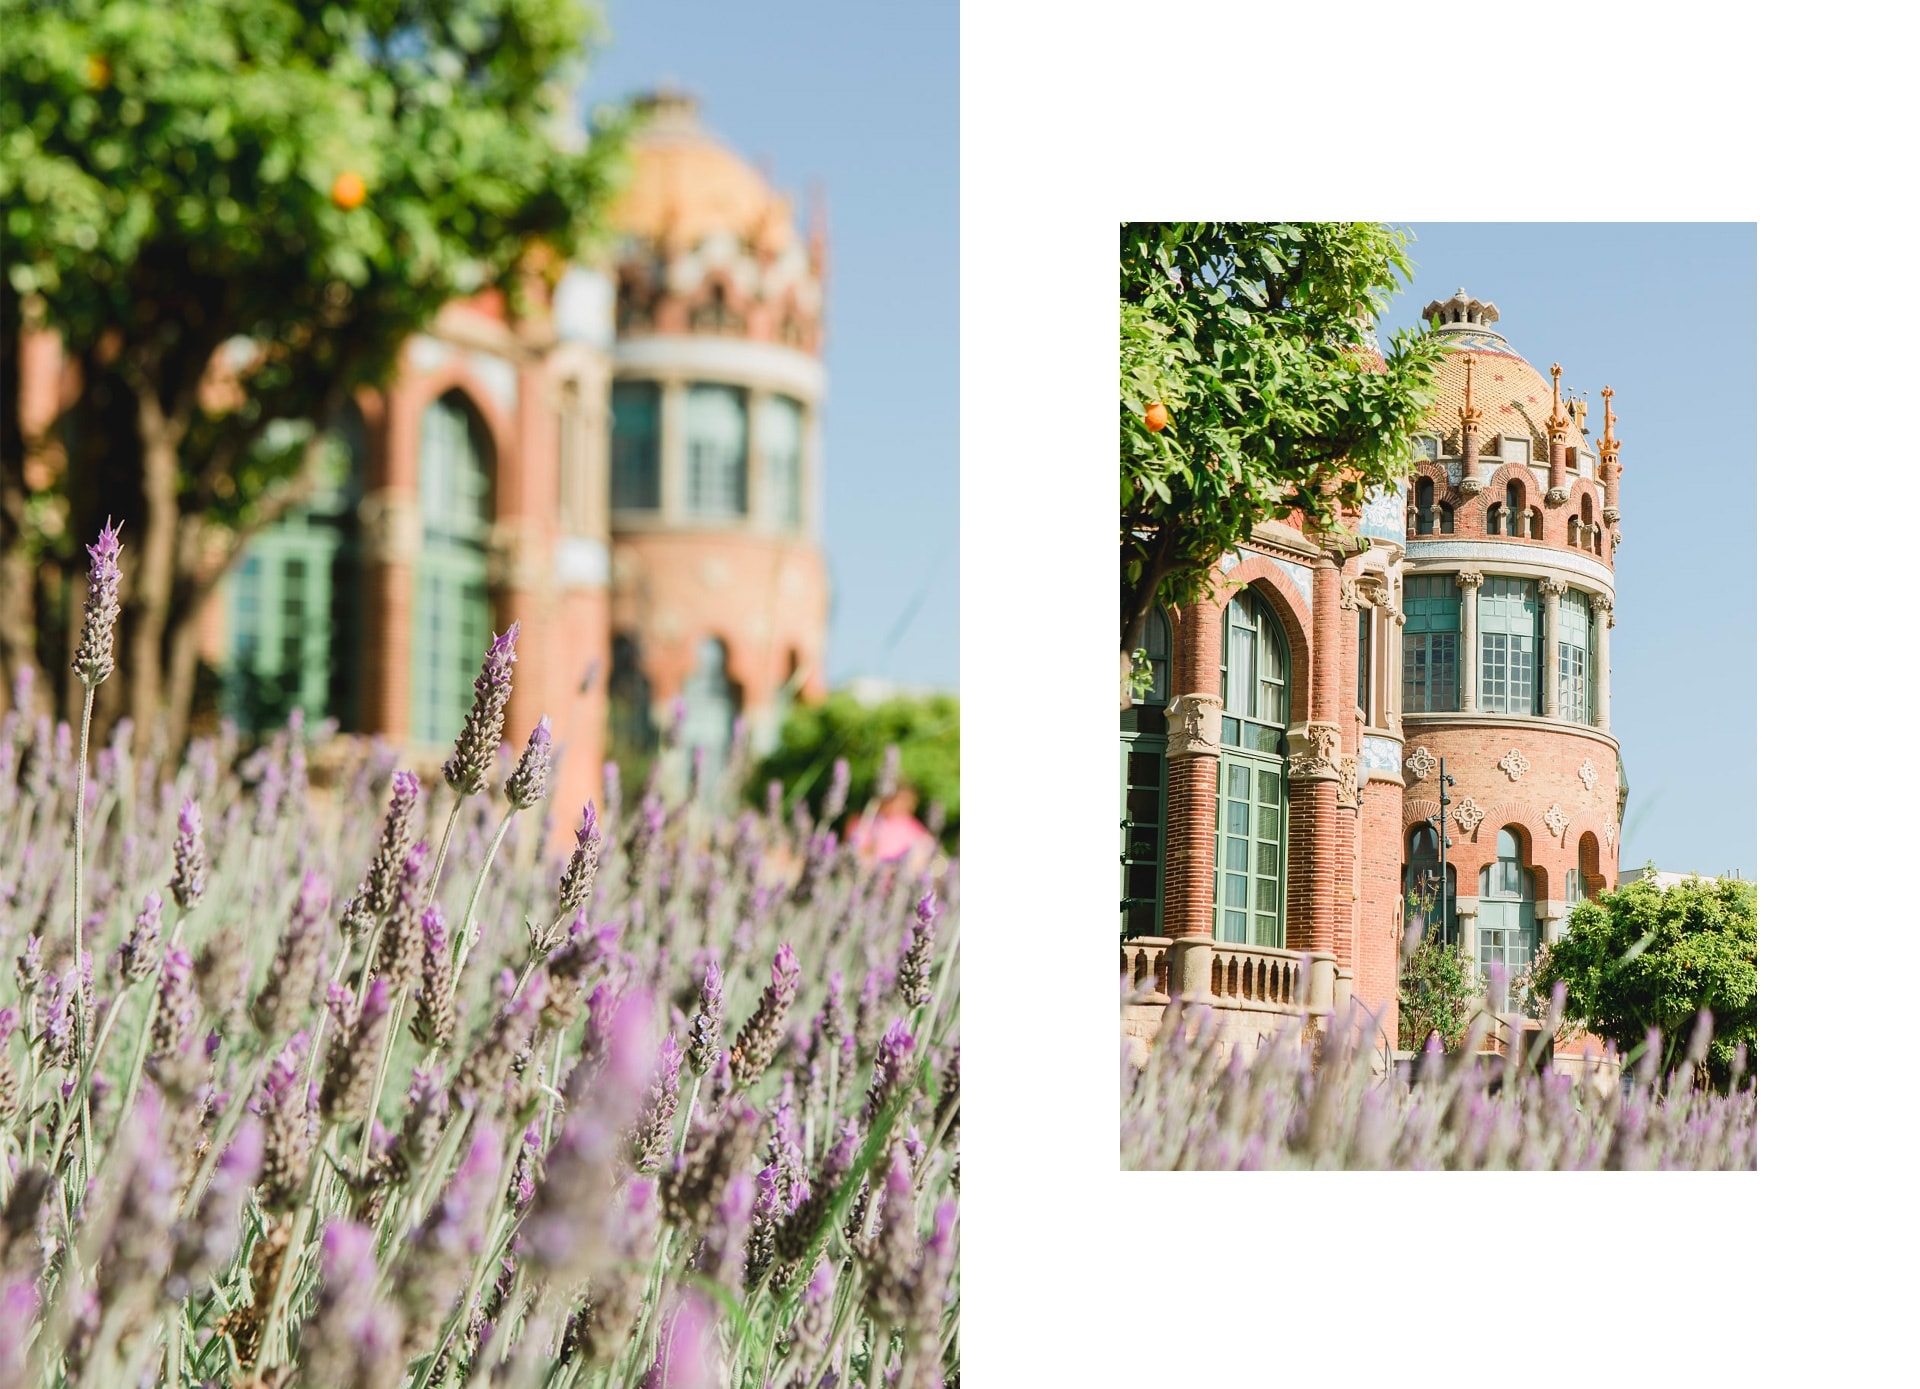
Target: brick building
{"x":631,"y":471}
{"x":1283,"y":781}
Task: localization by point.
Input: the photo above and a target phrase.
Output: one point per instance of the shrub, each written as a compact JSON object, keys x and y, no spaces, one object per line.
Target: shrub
{"x":1437,"y":989}
{"x":926,"y":730}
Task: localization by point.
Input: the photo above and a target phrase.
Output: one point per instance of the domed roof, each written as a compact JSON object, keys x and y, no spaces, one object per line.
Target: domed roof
{"x":1512,"y":397}
{"x":687,"y":186}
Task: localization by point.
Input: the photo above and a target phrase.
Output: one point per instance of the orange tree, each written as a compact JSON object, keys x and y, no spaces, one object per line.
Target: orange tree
{"x":1257,"y":338}
{"x":264,"y":196}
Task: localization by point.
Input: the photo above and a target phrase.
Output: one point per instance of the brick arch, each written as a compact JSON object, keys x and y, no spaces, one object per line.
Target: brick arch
{"x":409,"y":403}
{"x":1513,"y":472}
{"x":1265,"y":577}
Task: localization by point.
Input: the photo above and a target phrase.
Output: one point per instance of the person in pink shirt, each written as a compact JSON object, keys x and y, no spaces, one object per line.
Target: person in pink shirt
{"x":893,"y":833}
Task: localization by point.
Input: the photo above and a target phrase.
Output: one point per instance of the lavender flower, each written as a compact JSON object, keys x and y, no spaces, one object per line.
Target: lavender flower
{"x":9,"y":1083}
{"x":353,"y":1053}
{"x":189,"y":882}
{"x":890,"y":1068}
{"x":719,"y":1146}
{"x":454,"y":1234}
{"x":893,"y":1257}
{"x":397,"y":953}
{"x":379,"y":890}
{"x":204,"y":1243}
{"x":295,"y":971}
{"x":653,"y":1136}
{"x":528,"y":784}
{"x":473,"y":751}
{"x":353,"y":1335}
{"x":704,"y":1044}
{"x":916,"y":959}
{"x":433,"y":1020}
{"x":93,"y":661}
{"x":175,"y":1011}
{"x":757,"y":1042}
{"x":836,"y":803}
{"x":576,"y":883}
{"x":140,"y":953}
{"x":285,"y":1143}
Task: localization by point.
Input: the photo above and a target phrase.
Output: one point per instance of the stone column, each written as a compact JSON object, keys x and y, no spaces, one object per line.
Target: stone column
{"x":1469,"y":581}
{"x":390,"y":533}
{"x":1320,"y":895}
{"x":1602,"y":662}
{"x":673,"y":451}
{"x":1550,"y":591}
{"x":1193,"y":784}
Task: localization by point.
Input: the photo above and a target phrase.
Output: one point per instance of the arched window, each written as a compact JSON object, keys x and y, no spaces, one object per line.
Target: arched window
{"x":451,"y":618}
{"x":295,"y":600}
{"x":1250,"y":845}
{"x":1516,"y":509}
{"x":1430,"y":909}
{"x":1143,"y":788}
{"x":712,"y":700}
{"x":1446,"y":518}
{"x":1423,"y":506}
{"x":1509,"y":931}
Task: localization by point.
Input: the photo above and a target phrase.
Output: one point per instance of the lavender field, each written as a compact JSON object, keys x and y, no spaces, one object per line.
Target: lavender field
{"x":1196,"y":1106}
{"x":353,"y":1085}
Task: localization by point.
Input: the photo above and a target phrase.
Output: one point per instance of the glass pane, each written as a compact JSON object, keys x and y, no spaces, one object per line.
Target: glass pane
{"x":716,"y":450}
{"x":1237,"y":781}
{"x":1143,"y":768}
{"x":1269,"y":787}
{"x":1140,"y":919}
{"x":1236,"y":890}
{"x":1230,"y":733}
{"x":1143,"y":804}
{"x":1143,"y":880}
{"x":635,"y":445}
{"x":1235,"y":858}
{"x":1235,"y":931}
{"x":1267,"y":931}
{"x":1271,"y":740}
{"x":1269,"y":822}
{"x":1236,"y":817}
{"x":1266,"y":895}
{"x":1268,"y":860}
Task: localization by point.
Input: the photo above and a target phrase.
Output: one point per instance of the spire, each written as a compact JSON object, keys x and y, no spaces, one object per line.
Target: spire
{"x":1609,"y":446}
{"x":1469,"y":416}
{"x":1557,"y":421}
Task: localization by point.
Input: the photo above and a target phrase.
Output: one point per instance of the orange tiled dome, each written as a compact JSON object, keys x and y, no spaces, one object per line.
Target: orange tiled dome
{"x":1513,"y":398}
{"x":687,"y":186}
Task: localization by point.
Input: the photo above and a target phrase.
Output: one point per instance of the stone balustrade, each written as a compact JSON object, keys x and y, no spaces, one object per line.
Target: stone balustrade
{"x":1256,"y":978}
{"x":1144,"y":965}
{"x":1261,"y":977}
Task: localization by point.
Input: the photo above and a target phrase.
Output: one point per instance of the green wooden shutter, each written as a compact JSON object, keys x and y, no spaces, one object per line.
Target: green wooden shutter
{"x":1143,"y":798}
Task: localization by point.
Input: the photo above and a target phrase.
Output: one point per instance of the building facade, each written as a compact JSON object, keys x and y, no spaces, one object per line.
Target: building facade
{"x":1283,"y":781}
{"x":630,"y":469}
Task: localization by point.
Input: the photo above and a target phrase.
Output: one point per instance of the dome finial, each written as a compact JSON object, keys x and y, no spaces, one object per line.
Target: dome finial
{"x":1609,"y":445}
{"x":1557,"y":420}
{"x":1469,"y":415}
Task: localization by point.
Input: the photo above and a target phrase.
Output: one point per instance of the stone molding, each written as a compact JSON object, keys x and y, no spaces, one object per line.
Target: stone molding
{"x":1349,"y":795}
{"x":390,"y":528}
{"x":1557,"y":496}
{"x":1514,"y":764}
{"x":1553,"y":587}
{"x":1193,"y":725}
{"x":1349,"y":595}
{"x":1469,"y":578}
{"x":1427,"y":554}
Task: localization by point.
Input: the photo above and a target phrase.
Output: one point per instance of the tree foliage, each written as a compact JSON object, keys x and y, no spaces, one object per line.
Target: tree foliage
{"x":302,"y":183}
{"x":1257,"y":337}
{"x":926,"y":729}
{"x":1437,"y":989}
{"x":1644,"y":957}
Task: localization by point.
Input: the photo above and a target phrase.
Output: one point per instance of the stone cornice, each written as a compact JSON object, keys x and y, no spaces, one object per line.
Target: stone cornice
{"x":1428,"y":725}
{"x":1492,"y":556}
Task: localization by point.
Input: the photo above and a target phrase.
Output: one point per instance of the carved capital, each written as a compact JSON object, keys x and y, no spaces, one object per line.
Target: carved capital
{"x":1610,"y":514}
{"x":1469,"y":578}
{"x":1349,"y":796}
{"x":390,"y":527}
{"x":1349,"y":596}
{"x":1377,"y":590}
{"x":1601,"y":603}
{"x":1193,"y":726}
{"x":1557,"y":496}
{"x":1553,"y":587}
{"x":1471,"y":482}
{"x":1321,"y":759}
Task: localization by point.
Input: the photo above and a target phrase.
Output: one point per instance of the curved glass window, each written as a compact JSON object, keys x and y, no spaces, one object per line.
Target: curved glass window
{"x":716,"y":451}
{"x":1576,"y":657}
{"x":780,"y":445}
{"x":1509,"y":622}
{"x":1430,"y":646}
{"x":1250,"y":847}
{"x":1509,"y":930}
{"x":450,"y":610}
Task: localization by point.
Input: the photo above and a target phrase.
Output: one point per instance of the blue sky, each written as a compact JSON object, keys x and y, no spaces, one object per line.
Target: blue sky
{"x":863,"y":100}
{"x":1665,"y":314}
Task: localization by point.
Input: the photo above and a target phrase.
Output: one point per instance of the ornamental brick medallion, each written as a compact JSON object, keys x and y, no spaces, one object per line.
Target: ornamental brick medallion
{"x":1469,"y":814}
{"x":1556,"y":819}
{"x":1421,"y":763}
{"x":1514,"y":764}
{"x":1610,"y":830}
{"x":1587,"y":774}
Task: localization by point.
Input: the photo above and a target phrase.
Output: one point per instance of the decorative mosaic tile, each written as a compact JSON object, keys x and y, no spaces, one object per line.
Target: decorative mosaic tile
{"x":1380,"y":754}
{"x":1303,"y":578}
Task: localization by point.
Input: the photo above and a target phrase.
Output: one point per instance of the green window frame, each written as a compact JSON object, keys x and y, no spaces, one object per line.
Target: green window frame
{"x":635,"y":445}
{"x":1509,"y":621}
{"x":1576,"y":657}
{"x":1422,"y":876}
{"x":1250,"y":815}
{"x":1363,"y":688}
{"x":1430,"y":646}
{"x":1509,"y":928}
{"x":1143,"y":834}
{"x":452,"y":619}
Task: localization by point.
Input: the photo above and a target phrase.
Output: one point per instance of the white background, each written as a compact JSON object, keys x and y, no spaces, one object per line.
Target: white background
{"x":1075,"y":118}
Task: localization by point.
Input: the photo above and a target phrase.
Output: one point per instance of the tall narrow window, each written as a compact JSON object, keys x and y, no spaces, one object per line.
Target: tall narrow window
{"x":636,"y":446}
{"x":1143,"y":789}
{"x":450,"y":617}
{"x":1576,"y":660}
{"x":1423,"y":506}
{"x":1249,"y":881}
{"x":1430,"y":900}
{"x":716,"y":451}
{"x":1363,"y":690}
{"x":780,"y":444}
{"x":1514,"y":515}
{"x":1509,"y":931}
{"x":1430,"y":664}
{"x":1509,"y":621}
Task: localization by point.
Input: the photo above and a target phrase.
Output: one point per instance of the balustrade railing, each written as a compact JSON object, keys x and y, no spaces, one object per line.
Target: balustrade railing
{"x":1144,"y":963}
{"x":1258,"y":977}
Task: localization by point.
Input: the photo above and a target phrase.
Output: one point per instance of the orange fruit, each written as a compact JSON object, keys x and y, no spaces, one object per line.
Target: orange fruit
{"x":349,"y":191}
{"x":98,"y":71}
{"x":1156,"y":417}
